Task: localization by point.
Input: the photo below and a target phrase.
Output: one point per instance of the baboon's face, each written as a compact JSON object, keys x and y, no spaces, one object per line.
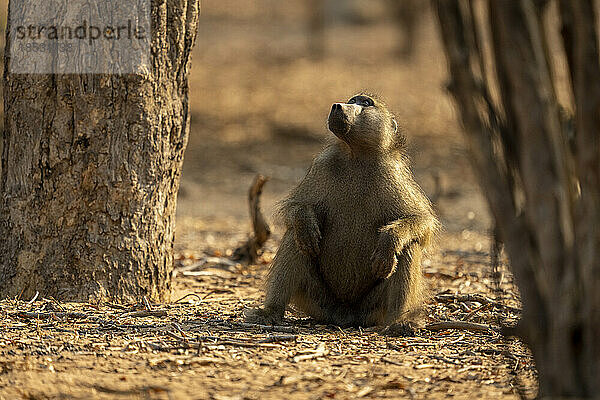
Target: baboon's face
{"x":362,"y":122}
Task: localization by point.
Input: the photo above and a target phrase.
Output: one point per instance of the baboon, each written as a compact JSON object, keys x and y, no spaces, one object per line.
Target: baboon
{"x":357,"y":225}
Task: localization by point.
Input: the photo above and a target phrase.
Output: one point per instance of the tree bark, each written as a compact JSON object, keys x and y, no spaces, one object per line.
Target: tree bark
{"x":543,"y":193}
{"x":90,"y":172}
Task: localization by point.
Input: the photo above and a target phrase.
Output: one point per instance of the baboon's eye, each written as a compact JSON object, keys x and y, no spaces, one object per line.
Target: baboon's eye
{"x":361,"y":101}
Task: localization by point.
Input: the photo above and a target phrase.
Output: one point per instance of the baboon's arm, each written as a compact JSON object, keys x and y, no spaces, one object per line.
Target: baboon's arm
{"x":411,"y":228}
{"x":298,"y":212}
{"x":395,"y":236}
{"x":301,"y":219}
{"x":302,"y":201}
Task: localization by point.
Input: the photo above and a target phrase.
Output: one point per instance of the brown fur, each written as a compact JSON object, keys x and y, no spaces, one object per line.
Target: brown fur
{"x":357,"y":226}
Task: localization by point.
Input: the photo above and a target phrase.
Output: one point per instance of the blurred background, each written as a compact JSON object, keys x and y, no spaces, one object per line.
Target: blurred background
{"x":264,"y":76}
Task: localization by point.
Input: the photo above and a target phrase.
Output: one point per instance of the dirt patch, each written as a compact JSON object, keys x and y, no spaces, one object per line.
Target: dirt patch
{"x":199,"y":347}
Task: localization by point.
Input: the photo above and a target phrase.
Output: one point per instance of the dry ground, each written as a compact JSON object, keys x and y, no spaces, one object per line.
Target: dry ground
{"x":259,"y":105}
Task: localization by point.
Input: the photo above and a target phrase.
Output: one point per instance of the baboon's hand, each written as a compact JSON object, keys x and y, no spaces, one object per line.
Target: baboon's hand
{"x":383,"y":259}
{"x":308,"y":236}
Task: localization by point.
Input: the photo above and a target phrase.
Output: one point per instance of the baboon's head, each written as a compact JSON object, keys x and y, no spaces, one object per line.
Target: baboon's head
{"x":364,"y":122}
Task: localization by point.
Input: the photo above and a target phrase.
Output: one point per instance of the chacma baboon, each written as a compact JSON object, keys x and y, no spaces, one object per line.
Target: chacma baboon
{"x":356,"y":228}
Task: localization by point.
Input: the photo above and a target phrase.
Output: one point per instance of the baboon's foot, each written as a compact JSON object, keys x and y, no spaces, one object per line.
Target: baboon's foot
{"x":402,"y":329}
{"x":263,"y":316}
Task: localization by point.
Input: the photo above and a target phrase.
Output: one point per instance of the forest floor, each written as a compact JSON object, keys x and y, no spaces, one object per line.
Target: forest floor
{"x":259,"y":105}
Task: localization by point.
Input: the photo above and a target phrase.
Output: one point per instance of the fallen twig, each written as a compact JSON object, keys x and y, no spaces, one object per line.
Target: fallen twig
{"x":478,"y":309}
{"x":55,"y":302}
{"x":404,"y":345}
{"x":145,"y":313}
{"x":320,"y":351}
{"x":188,"y":295}
{"x":388,"y":361}
{"x":216,"y":341}
{"x":261,"y":230}
{"x":244,"y":344}
{"x":278,"y":338}
{"x":30,"y":302}
{"x":46,"y":315}
{"x":192,"y":266}
{"x":462,"y":325}
{"x":147,"y":304}
{"x":267,"y":328}
{"x":117,"y":306}
{"x":177,"y":337}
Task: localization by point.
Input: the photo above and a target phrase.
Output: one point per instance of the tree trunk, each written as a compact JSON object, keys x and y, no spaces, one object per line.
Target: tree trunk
{"x":91,"y":165}
{"x":541,"y":180}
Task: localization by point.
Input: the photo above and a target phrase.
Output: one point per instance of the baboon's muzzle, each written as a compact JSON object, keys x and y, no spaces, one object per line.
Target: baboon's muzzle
{"x":341,"y":119}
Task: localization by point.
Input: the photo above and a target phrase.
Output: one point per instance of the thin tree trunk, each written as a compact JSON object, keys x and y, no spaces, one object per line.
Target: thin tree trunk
{"x":544,"y":196}
{"x":586,"y":89}
{"x":90,"y":172}
{"x":316,"y":28}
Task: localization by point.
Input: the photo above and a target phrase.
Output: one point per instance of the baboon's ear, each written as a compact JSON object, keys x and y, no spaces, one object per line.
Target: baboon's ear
{"x":395,"y":125}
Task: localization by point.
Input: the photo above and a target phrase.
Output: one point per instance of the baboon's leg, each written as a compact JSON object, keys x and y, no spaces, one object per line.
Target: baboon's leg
{"x":398,"y":298}
{"x":292,"y":278}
